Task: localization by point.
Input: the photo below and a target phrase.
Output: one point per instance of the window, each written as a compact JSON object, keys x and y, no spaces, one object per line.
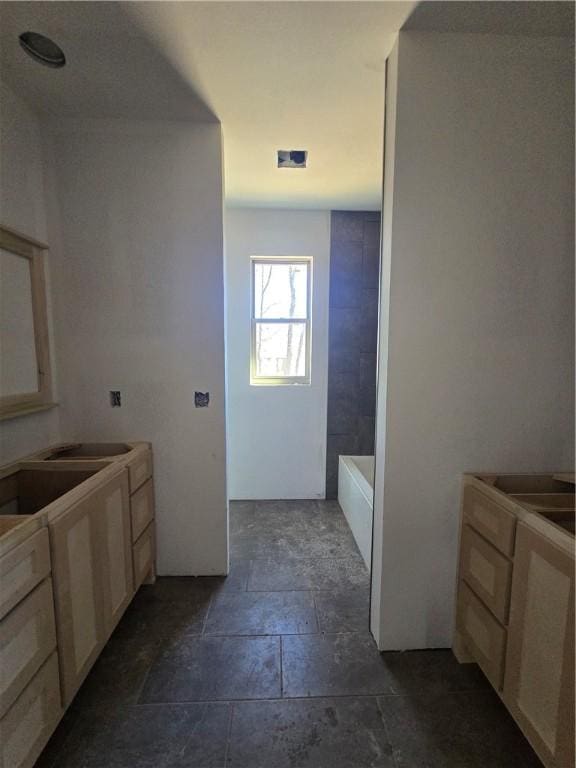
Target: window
{"x":281,"y":295}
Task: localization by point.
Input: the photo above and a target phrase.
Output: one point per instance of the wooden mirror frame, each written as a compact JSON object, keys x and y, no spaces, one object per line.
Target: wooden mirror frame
{"x":41,"y":400}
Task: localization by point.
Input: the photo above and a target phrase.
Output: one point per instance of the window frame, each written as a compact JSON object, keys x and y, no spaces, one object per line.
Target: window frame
{"x":281,"y":381}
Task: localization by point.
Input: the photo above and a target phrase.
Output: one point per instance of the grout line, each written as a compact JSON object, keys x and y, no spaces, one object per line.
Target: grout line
{"x":222,"y":702}
{"x":317,"y":614}
{"x":387,"y":733}
{"x":229,"y":735}
{"x":205,"y":622}
{"x":281,"y":669}
{"x":250,"y":568}
{"x":160,"y":645}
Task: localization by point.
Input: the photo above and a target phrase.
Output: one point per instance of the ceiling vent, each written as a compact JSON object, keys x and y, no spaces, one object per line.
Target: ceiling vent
{"x":292,"y":158}
{"x":42,"y":49}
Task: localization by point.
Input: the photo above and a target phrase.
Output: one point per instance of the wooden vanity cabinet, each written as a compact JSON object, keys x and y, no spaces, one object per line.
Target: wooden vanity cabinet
{"x":515,"y":601}
{"x":539,"y":677}
{"x":115,"y":545}
{"x":92,"y":565}
{"x":71,"y":559}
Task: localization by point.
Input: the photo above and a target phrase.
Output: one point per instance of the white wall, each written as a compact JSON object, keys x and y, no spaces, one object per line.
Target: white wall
{"x":276,"y":435}
{"x":23,"y":207}
{"x":480,"y":369}
{"x":139,"y":307}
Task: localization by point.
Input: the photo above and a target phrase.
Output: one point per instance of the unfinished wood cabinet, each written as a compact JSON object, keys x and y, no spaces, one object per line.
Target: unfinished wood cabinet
{"x":140,"y":469}
{"x":142,"y":509}
{"x":92,"y":564}
{"x":28,"y":724}
{"x":515,"y":609}
{"x":539,"y":681}
{"x":22,"y":568}
{"x":27,"y":638}
{"x":143,"y":555}
{"x":495,"y":523}
{"x":482,"y":634}
{"x":487,"y":572}
{"x":115,"y":544}
{"x":78,"y":591}
{"x":76,"y":533}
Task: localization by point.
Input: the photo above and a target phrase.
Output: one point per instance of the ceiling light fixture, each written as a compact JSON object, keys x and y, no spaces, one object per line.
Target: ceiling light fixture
{"x":42,"y":49}
{"x":292,"y":158}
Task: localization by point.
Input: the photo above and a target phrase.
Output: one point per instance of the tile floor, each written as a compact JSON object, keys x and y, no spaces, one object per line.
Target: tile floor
{"x":274,"y":667}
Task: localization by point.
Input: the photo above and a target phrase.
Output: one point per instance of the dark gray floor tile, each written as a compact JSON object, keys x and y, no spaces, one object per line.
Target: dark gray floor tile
{"x":285,"y":507}
{"x":118,"y":675}
{"x":296,"y":574}
{"x":215,"y":668}
{"x":152,"y":618}
{"x":235,"y":581}
{"x":455,"y":730}
{"x":320,"y":733}
{"x":333,"y":665}
{"x":52,"y":750}
{"x":431,"y":672}
{"x":171,"y":589}
{"x":262,"y":613}
{"x":326,"y":545}
{"x":236,"y":507}
{"x":306,"y":532}
{"x":148,"y":737}
{"x":346,"y":611}
{"x":276,"y":545}
{"x":327,"y":538}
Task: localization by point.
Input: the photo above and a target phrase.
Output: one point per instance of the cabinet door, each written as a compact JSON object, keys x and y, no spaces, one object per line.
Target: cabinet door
{"x":116,"y":550}
{"x":539,"y":678}
{"x":74,"y":537}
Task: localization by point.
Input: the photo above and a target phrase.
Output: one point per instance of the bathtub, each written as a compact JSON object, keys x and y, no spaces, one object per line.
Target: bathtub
{"x":356,"y":497}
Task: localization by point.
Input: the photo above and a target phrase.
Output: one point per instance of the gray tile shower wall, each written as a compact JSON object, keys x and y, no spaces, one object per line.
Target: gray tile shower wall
{"x":354,"y":275}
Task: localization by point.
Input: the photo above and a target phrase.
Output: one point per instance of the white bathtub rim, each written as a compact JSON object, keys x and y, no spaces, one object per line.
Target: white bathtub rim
{"x":351,"y":464}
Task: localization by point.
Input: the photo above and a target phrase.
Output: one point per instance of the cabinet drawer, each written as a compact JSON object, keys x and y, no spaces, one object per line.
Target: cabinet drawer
{"x":142,"y":509}
{"x":143,"y":555}
{"x":140,"y":469}
{"x":483,"y":636}
{"x":27,"y":638}
{"x":30,"y":721}
{"x":491,"y":520}
{"x":487,"y":572}
{"x":22,"y":568}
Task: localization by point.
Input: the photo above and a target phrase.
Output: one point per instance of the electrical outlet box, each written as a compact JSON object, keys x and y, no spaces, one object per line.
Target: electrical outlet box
{"x":115,"y":398}
{"x":201,"y":399}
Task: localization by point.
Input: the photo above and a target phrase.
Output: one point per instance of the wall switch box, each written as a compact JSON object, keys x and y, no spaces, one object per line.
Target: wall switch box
{"x":201,"y":399}
{"x":115,"y":398}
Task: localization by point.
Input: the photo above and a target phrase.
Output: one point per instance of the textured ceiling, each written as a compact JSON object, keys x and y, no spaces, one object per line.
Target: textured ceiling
{"x":287,"y":75}
{"x":278,"y":75}
{"x":528,"y":18}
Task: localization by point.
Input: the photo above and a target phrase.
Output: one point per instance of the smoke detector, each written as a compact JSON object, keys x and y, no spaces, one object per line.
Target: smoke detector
{"x":292,"y":158}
